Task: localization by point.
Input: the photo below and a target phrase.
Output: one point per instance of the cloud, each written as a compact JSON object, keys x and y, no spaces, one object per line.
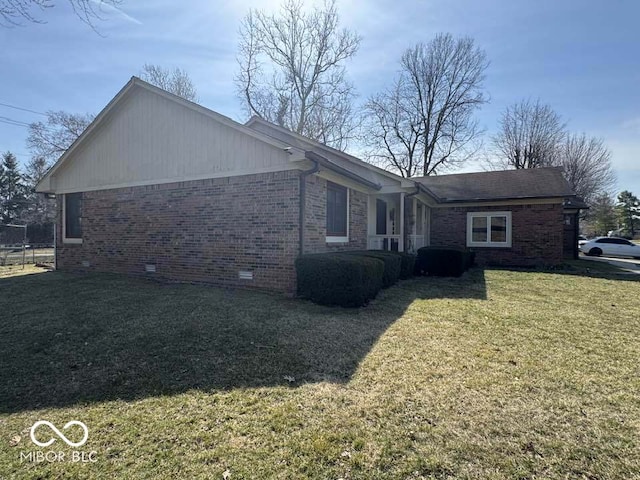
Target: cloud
{"x":115,"y":11}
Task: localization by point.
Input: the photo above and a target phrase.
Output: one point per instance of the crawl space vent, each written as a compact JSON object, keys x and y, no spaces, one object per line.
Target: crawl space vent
{"x":245,"y":275}
{"x":150,"y":268}
{"x":86,"y":263}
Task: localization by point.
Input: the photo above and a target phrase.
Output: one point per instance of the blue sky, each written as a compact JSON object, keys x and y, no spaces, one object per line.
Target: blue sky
{"x":582,"y":57}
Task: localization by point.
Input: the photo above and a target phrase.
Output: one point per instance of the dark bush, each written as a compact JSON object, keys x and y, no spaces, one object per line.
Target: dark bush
{"x":444,"y":261}
{"x":392,"y":264}
{"x":407,"y":265}
{"x":339,"y":279}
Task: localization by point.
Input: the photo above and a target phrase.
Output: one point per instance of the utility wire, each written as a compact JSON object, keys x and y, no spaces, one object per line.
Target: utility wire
{"x":14,"y":123}
{"x":22,"y":108}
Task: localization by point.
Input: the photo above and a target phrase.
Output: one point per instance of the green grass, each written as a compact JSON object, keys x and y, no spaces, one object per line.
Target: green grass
{"x":496,"y":375}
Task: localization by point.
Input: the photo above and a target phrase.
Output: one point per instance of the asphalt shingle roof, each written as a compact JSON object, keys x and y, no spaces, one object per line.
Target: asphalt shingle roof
{"x":507,"y":184}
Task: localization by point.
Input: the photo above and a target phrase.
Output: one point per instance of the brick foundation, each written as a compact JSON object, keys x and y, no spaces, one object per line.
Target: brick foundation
{"x":537,"y":234}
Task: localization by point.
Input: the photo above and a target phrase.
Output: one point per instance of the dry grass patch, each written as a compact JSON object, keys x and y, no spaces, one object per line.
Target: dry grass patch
{"x":494,"y":375}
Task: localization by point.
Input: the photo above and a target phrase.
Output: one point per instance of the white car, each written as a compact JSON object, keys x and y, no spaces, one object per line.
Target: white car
{"x":582,"y":240}
{"x":611,"y":247}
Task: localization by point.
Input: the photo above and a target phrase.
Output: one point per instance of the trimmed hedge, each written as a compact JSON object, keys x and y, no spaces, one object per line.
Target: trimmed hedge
{"x":408,"y":264}
{"x":392,"y":264}
{"x":444,"y":261}
{"x":339,"y":279}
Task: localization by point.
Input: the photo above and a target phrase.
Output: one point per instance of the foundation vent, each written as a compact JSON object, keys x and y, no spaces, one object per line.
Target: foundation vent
{"x":86,"y":263}
{"x":150,"y":268}
{"x":245,"y":275}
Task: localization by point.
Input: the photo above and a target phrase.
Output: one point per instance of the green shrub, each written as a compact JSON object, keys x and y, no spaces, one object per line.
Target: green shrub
{"x":392,"y":264}
{"x":444,"y":261}
{"x":339,"y":279}
{"x":408,"y":263}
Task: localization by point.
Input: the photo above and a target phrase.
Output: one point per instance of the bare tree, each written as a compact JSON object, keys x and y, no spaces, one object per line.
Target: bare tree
{"x":51,"y":139}
{"x":175,"y":81}
{"x":13,"y":12}
{"x":587,"y":166}
{"x":292,"y":70}
{"x":424,"y":122}
{"x":530,"y":136}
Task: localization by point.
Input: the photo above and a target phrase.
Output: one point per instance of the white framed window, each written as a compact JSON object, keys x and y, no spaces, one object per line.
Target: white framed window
{"x":337,"y":213}
{"x":72,"y":218}
{"x":489,"y":229}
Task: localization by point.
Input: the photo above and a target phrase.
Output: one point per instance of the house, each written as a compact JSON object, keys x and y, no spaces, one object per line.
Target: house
{"x":161,"y":186}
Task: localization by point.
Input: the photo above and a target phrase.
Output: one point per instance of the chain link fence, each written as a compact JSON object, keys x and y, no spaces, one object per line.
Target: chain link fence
{"x":16,"y":249}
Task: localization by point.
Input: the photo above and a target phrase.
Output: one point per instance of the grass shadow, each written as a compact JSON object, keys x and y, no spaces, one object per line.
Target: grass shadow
{"x":71,"y":339}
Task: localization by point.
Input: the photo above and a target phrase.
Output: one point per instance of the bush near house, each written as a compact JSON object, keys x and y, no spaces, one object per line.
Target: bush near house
{"x":339,"y":279}
{"x":408,"y":265}
{"x":392,"y":264}
{"x":444,"y":261}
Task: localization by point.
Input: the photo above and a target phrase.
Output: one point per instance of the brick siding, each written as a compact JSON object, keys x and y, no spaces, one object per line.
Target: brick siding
{"x":537,"y":234}
{"x":198,"y":231}
{"x":316,"y":224}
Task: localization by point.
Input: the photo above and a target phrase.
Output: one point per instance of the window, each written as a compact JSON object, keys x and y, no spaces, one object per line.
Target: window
{"x":337,"y":213}
{"x":489,"y":229}
{"x":72,"y":224}
{"x":616,"y":241}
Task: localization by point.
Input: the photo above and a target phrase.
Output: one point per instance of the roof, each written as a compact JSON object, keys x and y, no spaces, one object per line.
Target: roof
{"x":576,"y":203}
{"x":498,"y":185}
{"x":466,"y":187}
{"x":337,"y":157}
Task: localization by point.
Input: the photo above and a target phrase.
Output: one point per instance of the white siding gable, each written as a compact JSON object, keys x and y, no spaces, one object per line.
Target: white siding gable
{"x":149,"y":138}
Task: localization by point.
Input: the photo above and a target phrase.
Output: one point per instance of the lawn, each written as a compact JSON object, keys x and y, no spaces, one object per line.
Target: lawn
{"x":498,"y":374}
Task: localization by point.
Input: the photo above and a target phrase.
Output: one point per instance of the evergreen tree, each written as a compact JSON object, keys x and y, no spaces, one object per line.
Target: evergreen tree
{"x":628,"y":210}
{"x":12,"y":189}
{"x":39,"y":209}
{"x":601,"y":217}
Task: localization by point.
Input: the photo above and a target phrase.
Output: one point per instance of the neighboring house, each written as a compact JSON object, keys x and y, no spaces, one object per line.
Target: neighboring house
{"x":161,"y":186}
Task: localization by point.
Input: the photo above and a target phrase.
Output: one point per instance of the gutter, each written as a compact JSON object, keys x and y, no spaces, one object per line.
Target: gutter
{"x":444,"y":201}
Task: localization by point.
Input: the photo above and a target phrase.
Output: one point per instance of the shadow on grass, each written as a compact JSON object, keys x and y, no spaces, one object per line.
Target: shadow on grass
{"x":67,"y":339}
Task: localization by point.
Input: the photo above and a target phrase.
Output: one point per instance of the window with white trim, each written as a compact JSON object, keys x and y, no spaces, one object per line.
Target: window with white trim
{"x":72,"y":218}
{"x":489,"y":229}
{"x":337,"y":213}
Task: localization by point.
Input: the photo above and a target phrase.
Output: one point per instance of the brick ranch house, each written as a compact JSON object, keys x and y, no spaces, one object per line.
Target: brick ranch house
{"x":161,"y":186}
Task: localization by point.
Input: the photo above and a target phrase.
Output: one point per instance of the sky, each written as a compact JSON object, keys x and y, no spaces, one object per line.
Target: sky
{"x":581,"y":57}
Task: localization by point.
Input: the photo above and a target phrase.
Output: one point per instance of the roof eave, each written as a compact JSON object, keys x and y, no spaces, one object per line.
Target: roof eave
{"x":499,"y":199}
{"x":328,"y":164}
{"x":346,"y":156}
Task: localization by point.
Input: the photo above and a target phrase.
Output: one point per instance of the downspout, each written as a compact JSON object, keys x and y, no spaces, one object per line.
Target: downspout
{"x":303,"y":201}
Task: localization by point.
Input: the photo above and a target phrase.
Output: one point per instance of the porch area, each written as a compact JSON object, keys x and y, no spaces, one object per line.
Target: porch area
{"x":397,"y":222}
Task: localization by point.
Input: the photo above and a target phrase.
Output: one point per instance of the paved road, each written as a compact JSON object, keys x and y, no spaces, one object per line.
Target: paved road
{"x":628,"y":264}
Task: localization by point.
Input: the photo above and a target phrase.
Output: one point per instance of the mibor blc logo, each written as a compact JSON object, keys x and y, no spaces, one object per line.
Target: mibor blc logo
{"x":44,"y":429}
{"x":59,"y":433}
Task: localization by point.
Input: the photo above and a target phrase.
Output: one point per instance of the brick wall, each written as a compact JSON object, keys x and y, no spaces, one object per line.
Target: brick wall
{"x":200,"y":231}
{"x":316,"y":224}
{"x":537,"y":234}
